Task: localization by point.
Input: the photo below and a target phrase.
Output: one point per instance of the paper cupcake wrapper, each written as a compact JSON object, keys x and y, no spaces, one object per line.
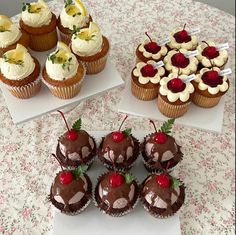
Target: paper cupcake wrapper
{"x":66,"y":38}
{"x":171,"y":110}
{"x":26,"y":91}
{"x":43,"y":42}
{"x":205,"y":102}
{"x":143,"y":93}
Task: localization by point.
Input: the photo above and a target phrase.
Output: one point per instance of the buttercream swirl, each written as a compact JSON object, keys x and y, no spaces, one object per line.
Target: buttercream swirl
{"x":212,"y":90}
{"x":183,"y":96}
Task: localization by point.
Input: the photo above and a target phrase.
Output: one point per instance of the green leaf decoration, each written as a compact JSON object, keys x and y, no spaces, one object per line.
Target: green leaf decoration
{"x":127,"y":132}
{"x":77,"y":125}
{"x":128,"y":178}
{"x":68,"y":3}
{"x":175,"y":183}
{"x":75,"y":30}
{"x":167,"y":126}
{"x":79,"y":171}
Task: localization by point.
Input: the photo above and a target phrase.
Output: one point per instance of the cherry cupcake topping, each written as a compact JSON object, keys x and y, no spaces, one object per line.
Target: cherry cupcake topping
{"x":182,"y":36}
{"x":212,"y":78}
{"x":163,"y":180}
{"x":210,"y":51}
{"x":176,"y":85}
{"x":179,"y":60}
{"x":148,"y":71}
{"x":152,"y":47}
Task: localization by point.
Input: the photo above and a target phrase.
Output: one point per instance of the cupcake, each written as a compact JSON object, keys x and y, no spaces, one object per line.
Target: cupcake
{"x":145,"y":80}
{"x":75,"y":147}
{"x":209,"y":86}
{"x":11,"y":35}
{"x":71,"y":191}
{"x":181,"y":39}
{"x":174,"y":95}
{"x":63,"y":74}
{"x":150,"y":50}
{"x":91,"y":48}
{"x":119,"y":147}
{"x":177,"y":61}
{"x":19,"y":72}
{"x":116,"y":193}
{"x":160,"y":150}
{"x":162,"y":195}
{"x":208,"y":55}
{"x":72,"y":15}
{"x":40,"y":24}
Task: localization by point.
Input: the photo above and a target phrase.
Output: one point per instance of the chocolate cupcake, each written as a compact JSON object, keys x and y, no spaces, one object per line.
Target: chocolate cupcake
{"x":119,"y":147}
{"x":160,"y":150}
{"x":116,"y":193}
{"x":75,"y":147}
{"x":71,"y":191}
{"x":162,"y":195}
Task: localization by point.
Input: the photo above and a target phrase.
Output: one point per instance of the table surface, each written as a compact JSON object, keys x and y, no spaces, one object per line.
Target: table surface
{"x":207,"y":169}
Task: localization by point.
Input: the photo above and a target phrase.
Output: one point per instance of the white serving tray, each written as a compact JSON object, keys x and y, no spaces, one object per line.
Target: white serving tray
{"x":94,"y":222}
{"x":44,"y":102}
{"x":205,"y":119}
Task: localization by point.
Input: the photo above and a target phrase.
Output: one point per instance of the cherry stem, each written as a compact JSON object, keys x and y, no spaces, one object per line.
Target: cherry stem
{"x":178,"y":71}
{"x":206,"y":43}
{"x":148,"y":36}
{"x":123,"y":122}
{"x":184,"y":27}
{"x":151,"y":121}
{"x":113,"y":162}
{"x":55,"y":156}
{"x":63,"y":116}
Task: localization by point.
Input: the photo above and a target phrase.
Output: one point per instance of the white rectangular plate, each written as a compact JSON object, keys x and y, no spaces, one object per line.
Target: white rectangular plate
{"x":206,"y":119}
{"x":94,"y":222}
{"x":44,"y":102}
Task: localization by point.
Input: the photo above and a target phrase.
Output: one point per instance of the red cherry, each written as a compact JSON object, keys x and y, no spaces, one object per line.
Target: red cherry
{"x":163,"y":180}
{"x":212,"y":78}
{"x":212,"y":75}
{"x":118,"y":136}
{"x":183,"y":34}
{"x":148,"y":71}
{"x":160,"y":137}
{"x":66,"y":177}
{"x":179,"y":57}
{"x":176,"y":85}
{"x":116,"y":179}
{"x":152,"y":47}
{"x":210,"y":52}
{"x":72,"y":135}
{"x":179,"y":60}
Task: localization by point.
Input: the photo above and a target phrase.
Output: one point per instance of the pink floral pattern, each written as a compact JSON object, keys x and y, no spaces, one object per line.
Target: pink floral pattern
{"x":208,"y":165}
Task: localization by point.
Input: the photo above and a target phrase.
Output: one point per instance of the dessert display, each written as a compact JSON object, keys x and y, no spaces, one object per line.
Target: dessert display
{"x":75,"y":147}
{"x":150,"y":50}
{"x":177,"y":61}
{"x":71,"y":191}
{"x":19,"y":72}
{"x":209,"y":55}
{"x":11,"y":35}
{"x":174,"y":95}
{"x":160,"y":150}
{"x":181,"y":39}
{"x":63,"y":74}
{"x":209,"y":86}
{"x":73,"y":15}
{"x":90,"y":47}
{"x":40,"y":24}
{"x":162,"y":195}
{"x":119,"y":147}
{"x":145,"y":80}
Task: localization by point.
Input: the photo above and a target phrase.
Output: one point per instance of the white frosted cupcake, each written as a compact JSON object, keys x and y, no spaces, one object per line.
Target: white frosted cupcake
{"x":20,"y":72}
{"x":63,"y":74}
{"x":91,"y":47}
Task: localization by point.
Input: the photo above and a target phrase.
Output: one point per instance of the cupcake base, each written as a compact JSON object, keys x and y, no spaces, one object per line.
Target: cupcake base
{"x":205,"y":102}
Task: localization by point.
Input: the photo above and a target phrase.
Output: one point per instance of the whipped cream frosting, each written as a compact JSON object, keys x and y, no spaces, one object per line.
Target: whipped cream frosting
{"x":62,"y":63}
{"x":145,"y":80}
{"x":171,"y":96}
{"x":9,"y":32}
{"x":191,"y":45}
{"x":219,"y":61}
{"x":212,"y":90}
{"x":88,"y":41}
{"x":17,"y":64}
{"x":36,"y":14}
{"x":191,"y":68}
{"x":163,"y":51}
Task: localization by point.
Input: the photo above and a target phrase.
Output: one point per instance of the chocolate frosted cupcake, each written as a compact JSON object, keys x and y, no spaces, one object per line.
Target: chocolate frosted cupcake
{"x":119,"y":147}
{"x":71,"y":191}
{"x":162,"y":195}
{"x":160,"y":150}
{"x":75,"y":147}
{"x":116,"y":193}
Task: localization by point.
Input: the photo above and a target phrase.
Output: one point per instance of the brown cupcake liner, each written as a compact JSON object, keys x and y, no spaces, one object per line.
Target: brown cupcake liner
{"x":26,"y":91}
{"x":66,"y":38}
{"x":205,"y":102}
{"x":143,"y":93}
{"x":171,"y":110}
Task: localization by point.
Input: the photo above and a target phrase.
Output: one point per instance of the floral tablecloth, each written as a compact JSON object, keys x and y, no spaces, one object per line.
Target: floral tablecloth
{"x":26,"y":168}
